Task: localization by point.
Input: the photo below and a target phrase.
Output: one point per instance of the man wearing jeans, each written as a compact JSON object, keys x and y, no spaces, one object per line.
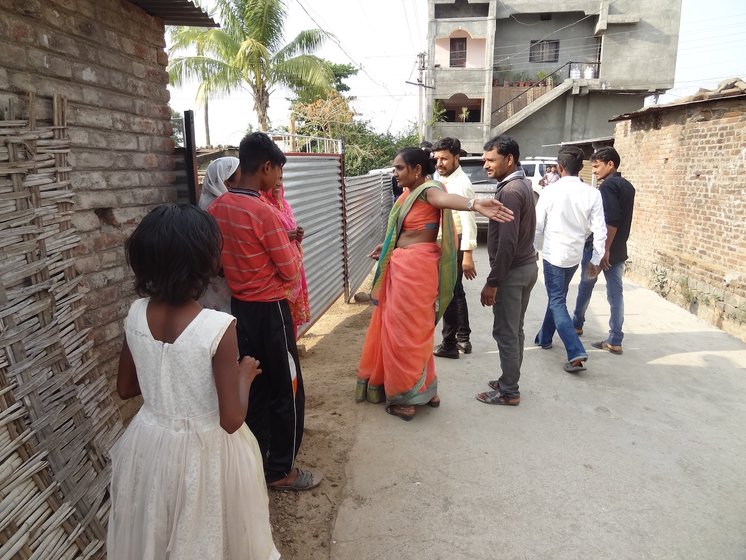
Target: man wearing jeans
{"x":618,"y":197}
{"x":513,"y":269}
{"x":566,"y":214}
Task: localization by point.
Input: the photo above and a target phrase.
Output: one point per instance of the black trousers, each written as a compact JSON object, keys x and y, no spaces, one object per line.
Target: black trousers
{"x":456,"y":317}
{"x":275,"y":414}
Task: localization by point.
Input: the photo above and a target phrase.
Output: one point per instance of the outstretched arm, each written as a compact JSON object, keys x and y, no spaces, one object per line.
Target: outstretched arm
{"x":489,"y":207}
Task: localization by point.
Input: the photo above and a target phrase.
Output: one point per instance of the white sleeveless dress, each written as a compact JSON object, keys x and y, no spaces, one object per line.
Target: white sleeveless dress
{"x":181,"y":487}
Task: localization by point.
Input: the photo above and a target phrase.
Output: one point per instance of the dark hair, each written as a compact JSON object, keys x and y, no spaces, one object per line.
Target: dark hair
{"x":452,"y":145}
{"x":505,"y":145}
{"x":256,"y":149}
{"x":607,"y":154}
{"x":174,"y":252}
{"x":417,"y":156}
{"x":426,"y":145}
{"x":571,"y":158}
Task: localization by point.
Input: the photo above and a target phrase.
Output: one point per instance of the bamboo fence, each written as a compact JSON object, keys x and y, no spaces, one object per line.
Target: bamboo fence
{"x":57,"y":418}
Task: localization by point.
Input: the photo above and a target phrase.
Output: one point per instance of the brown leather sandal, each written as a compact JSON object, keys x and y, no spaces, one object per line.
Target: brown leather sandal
{"x":404,"y":411}
{"x":434,"y":402}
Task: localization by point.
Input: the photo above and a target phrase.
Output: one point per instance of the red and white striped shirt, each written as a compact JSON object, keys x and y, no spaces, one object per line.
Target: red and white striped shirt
{"x":258,"y":261}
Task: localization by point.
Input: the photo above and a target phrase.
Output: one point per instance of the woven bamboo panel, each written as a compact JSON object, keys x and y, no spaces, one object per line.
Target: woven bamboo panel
{"x":57,"y":418}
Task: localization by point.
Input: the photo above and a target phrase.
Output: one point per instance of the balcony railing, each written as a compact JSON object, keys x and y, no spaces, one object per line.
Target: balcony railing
{"x":537,"y":88}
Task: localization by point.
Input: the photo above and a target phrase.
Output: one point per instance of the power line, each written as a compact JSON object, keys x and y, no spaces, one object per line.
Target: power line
{"x":339,"y":44}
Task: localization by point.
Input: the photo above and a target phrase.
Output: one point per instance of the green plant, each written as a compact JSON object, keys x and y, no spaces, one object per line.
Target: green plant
{"x":438,"y":113}
{"x":660,"y":283}
{"x":463,"y":116}
{"x":689,"y":295}
{"x":541,"y":75}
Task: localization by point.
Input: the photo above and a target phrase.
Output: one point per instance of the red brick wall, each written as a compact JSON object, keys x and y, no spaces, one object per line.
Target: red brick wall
{"x":688,"y":238}
{"x":107,"y":58}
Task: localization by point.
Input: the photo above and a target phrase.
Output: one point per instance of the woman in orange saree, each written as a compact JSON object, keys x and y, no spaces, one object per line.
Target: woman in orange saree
{"x":412,"y":286}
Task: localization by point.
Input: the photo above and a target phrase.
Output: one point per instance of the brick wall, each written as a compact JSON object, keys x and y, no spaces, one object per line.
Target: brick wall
{"x":688,"y":238}
{"x":107,"y":58}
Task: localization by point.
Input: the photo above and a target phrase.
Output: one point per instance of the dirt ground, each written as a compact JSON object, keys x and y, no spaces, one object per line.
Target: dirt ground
{"x":302,"y":522}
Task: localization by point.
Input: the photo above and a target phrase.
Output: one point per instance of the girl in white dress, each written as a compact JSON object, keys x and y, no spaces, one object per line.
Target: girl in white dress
{"x":187,"y":477}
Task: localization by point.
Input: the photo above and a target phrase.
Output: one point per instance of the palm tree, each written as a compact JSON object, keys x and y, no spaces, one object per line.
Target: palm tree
{"x":247,"y":52}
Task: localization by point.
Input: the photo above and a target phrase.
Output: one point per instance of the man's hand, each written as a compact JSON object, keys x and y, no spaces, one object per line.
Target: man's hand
{"x":470,"y":271}
{"x":604,"y":264}
{"x":592,"y":271}
{"x":488,"y":296}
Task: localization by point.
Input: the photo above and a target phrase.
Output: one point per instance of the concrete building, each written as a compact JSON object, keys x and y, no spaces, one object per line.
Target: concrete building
{"x":543,"y":71}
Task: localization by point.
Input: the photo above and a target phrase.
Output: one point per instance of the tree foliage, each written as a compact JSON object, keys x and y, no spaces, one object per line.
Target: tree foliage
{"x":365,"y":149}
{"x":247,"y":52}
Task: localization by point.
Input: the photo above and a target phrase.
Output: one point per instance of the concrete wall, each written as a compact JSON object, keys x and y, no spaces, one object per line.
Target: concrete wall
{"x":513,"y":40}
{"x":688,"y":238}
{"x":107,"y":58}
{"x":475,"y":51}
{"x":640,"y":55}
{"x":570,"y":117}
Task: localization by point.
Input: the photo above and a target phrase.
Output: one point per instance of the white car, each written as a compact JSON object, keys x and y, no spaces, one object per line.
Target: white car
{"x":484,"y":187}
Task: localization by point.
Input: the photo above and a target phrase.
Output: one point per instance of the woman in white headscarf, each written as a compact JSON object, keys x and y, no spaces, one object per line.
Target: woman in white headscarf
{"x":220,"y":171}
{"x":221,"y":174}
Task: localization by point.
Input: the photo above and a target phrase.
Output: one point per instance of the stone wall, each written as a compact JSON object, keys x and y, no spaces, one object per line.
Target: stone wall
{"x":107,"y":58}
{"x":688,"y":240}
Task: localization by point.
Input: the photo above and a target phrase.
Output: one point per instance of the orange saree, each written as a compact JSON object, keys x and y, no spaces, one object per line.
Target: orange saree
{"x":396,"y":364}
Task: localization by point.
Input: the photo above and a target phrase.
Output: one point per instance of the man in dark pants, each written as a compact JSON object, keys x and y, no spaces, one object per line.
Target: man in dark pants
{"x":618,"y":196}
{"x":259,"y":268}
{"x":456,"y":330}
{"x":513,"y":269}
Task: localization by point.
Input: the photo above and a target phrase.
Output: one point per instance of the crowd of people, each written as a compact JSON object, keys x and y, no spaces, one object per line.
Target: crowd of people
{"x":419,"y":278}
{"x":211,"y":343}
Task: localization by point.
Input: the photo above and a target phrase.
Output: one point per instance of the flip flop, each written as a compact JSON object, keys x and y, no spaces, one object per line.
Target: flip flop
{"x":396,"y":410}
{"x":304,"y":481}
{"x":569,"y":367}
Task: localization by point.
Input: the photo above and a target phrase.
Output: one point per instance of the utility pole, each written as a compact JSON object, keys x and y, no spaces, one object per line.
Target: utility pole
{"x":422,"y":86}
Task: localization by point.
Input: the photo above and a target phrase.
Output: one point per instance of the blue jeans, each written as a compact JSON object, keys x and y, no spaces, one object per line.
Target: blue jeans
{"x":614,"y":295}
{"x":557,"y":318}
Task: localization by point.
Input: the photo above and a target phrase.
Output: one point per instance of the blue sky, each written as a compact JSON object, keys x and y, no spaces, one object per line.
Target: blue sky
{"x":383,"y":39}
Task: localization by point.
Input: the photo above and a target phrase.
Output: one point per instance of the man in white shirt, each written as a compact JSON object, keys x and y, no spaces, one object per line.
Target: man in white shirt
{"x":456,"y":329}
{"x":565,"y":215}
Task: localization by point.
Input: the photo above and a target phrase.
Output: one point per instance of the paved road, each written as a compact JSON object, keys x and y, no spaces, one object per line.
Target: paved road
{"x":642,"y":456}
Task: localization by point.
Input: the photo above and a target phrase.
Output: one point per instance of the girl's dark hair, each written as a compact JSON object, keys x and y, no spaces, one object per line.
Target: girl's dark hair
{"x":174,"y":252}
{"x":418,"y":156}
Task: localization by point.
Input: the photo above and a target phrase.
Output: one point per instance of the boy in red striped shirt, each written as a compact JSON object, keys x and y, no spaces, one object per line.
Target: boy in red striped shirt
{"x":260,"y":269}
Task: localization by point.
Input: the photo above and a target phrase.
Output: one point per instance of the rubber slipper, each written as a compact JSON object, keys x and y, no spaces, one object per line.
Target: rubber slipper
{"x":396,"y":410}
{"x":569,"y":367}
{"x":305,"y":480}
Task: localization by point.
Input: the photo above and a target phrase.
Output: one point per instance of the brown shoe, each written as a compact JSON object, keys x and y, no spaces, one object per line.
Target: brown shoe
{"x":603,"y":345}
{"x":494,"y":397}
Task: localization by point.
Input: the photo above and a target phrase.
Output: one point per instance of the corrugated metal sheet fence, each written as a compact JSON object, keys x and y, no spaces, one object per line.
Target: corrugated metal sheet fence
{"x":343,"y":222}
{"x":368,"y":201}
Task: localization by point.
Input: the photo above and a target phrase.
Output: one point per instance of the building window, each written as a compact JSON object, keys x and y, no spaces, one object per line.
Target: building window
{"x":458,"y":52}
{"x":543,"y":51}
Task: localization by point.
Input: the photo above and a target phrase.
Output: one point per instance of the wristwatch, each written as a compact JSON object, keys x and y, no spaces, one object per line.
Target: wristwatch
{"x":470,"y":205}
